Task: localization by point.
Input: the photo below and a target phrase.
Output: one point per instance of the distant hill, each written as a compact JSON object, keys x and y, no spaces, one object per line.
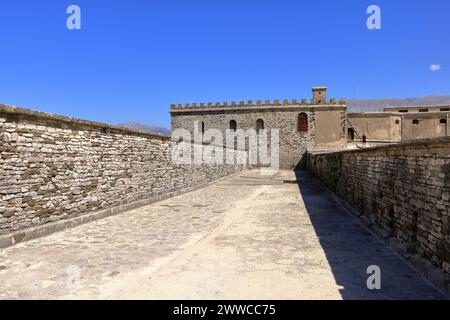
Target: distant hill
{"x":145,"y":127}
{"x":374,"y":105}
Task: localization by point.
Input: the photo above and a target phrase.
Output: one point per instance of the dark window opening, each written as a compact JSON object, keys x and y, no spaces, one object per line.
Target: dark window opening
{"x":233,"y":125}
{"x":351,"y":134}
{"x":302,"y":124}
{"x":397,"y":121}
{"x":423,"y":110}
{"x":445,"y":109}
{"x":259,"y":125}
{"x":202,"y":127}
{"x":403,"y":111}
{"x":443,"y":121}
{"x":364,"y":139}
{"x":415,"y":122}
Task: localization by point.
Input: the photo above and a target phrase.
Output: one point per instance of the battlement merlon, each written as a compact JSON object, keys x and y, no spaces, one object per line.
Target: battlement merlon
{"x":259,"y":103}
{"x":319,"y":98}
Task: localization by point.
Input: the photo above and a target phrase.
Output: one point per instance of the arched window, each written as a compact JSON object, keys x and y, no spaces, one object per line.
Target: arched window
{"x":351,"y":134}
{"x":302,"y":124}
{"x":233,"y":125}
{"x":259,"y":125}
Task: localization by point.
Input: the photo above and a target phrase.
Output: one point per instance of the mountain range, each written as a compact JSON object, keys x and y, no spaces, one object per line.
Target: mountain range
{"x":145,"y":127}
{"x":374,"y":105}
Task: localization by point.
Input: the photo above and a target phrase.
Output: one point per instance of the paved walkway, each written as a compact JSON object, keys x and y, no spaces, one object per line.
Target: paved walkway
{"x":245,"y":237}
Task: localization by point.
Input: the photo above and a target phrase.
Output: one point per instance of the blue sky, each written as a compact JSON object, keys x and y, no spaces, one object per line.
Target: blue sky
{"x":133,"y":58}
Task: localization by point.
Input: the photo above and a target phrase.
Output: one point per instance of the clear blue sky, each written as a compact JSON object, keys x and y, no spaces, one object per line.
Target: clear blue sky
{"x":133,"y":58}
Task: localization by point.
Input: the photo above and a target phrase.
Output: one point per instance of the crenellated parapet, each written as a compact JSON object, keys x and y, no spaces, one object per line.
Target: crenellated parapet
{"x":256,"y":103}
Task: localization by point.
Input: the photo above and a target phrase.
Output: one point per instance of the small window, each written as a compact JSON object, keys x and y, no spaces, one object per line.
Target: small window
{"x":233,"y":125}
{"x":443,"y":121}
{"x":445,"y":109}
{"x":403,"y":111}
{"x":259,"y":125}
{"x":302,"y":123}
{"x":415,"y":121}
{"x":202,"y":127}
{"x":423,"y":110}
{"x":397,"y":121}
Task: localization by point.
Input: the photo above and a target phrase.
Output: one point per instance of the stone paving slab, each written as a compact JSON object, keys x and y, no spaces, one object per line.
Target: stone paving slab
{"x":245,"y":237}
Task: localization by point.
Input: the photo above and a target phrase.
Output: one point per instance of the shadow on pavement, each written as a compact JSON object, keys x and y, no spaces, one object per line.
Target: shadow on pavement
{"x":350,"y":249}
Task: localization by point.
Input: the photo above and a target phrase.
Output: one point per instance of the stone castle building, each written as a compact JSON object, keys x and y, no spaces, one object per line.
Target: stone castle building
{"x":302,"y":125}
{"x":319,"y":124}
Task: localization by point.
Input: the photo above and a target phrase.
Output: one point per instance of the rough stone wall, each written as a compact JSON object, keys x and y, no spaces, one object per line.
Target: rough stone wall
{"x":54,"y":168}
{"x":403,"y":189}
{"x":293,"y":144}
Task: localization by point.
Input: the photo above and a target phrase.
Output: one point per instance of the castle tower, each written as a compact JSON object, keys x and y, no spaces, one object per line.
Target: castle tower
{"x":319,"y":95}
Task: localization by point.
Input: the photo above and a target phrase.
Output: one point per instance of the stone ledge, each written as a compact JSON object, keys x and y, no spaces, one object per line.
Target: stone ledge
{"x":11,"y":239}
{"x":404,"y":144}
{"x":33,"y":114}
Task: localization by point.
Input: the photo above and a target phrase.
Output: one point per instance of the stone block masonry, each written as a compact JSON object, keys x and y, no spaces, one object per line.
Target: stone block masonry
{"x":402,"y":190}
{"x":54,"y":168}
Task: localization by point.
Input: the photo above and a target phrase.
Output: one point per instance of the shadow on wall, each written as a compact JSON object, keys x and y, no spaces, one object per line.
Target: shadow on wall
{"x":302,"y":164}
{"x":350,"y":249}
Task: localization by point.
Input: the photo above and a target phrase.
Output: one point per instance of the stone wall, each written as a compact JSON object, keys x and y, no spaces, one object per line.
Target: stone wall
{"x":54,"y":168}
{"x":402,"y":190}
{"x":326,"y":125}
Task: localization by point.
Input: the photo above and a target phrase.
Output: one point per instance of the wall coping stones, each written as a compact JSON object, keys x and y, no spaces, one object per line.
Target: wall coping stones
{"x":414,"y":143}
{"x":75,"y":122}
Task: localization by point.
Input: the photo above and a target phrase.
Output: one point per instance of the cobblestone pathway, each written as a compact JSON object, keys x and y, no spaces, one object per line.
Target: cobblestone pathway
{"x":245,"y":237}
